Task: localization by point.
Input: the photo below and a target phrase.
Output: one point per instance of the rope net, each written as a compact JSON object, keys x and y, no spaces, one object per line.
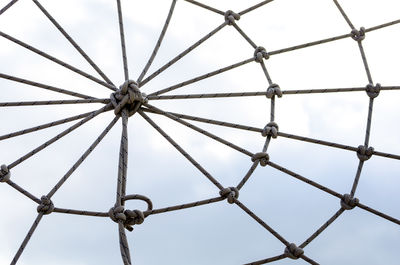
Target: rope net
{"x":128,"y":99}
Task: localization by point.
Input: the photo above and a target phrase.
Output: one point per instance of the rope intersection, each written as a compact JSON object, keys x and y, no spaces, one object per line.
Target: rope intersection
{"x":128,"y":100}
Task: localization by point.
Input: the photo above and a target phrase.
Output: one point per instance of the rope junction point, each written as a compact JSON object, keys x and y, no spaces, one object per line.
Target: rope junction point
{"x":128,"y":99}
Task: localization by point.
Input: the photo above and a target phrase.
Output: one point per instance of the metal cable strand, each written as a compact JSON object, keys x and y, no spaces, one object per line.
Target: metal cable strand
{"x":182,"y":54}
{"x":179,"y":148}
{"x":76,"y":46}
{"x":206,"y":7}
{"x":122,"y":36}
{"x":59,"y":136}
{"x":209,"y":121}
{"x":52,"y":88}
{"x":44,"y":126}
{"x":254,"y":7}
{"x":27,"y":238}
{"x":158,"y":44}
{"x":199,"y":78}
{"x":244,"y":35}
{"x":10,"y":4}
{"x":344,"y":14}
{"x":82,"y":158}
{"x":54,"y":102}
{"x":204,"y":132}
{"x":269,"y":260}
{"x":55,"y":60}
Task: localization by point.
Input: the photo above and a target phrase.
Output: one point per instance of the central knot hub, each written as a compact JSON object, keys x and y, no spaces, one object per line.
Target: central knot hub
{"x":128,"y":97}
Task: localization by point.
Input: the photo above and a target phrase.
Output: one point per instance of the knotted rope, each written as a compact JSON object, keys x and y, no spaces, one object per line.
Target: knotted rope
{"x":231,"y":16}
{"x":358,"y":35}
{"x":260,"y":53}
{"x":128,"y":96}
{"x":364,"y":153}
{"x":5,"y":173}
{"x":373,"y":91}
{"x":262,"y":157}
{"x":293,"y":251}
{"x":46,"y":206}
{"x":273,"y":90}
{"x":230,"y":194}
{"x":271,"y":129}
{"x":348,"y":202}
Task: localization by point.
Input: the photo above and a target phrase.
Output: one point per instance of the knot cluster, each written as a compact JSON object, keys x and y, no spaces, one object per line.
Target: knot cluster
{"x":271,"y":129}
{"x":348,"y":202}
{"x":373,"y":91}
{"x":364,"y":153}
{"x":260,"y":53}
{"x":230,"y":194}
{"x":274,"y":90}
{"x":128,"y":96}
{"x":231,"y":16}
{"x":293,"y":251}
{"x":262,"y":157}
{"x":128,"y":218}
{"x":358,"y":35}
{"x":46,"y":206}
{"x":4,"y":173}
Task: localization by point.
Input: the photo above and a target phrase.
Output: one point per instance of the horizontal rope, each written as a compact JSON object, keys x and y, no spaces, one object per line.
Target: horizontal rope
{"x":53,"y":102}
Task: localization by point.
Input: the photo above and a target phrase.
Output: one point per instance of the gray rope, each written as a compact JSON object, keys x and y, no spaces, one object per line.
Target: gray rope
{"x":53,"y":102}
{"x":23,"y":191}
{"x":58,"y":136}
{"x":269,"y":260}
{"x":80,"y":212}
{"x":199,"y":78}
{"x":122,"y":36}
{"x":10,"y":4}
{"x":214,"y":95}
{"x":159,"y":41}
{"x":254,"y":7}
{"x":55,"y":60}
{"x":244,"y":35}
{"x":76,"y":46}
{"x":182,"y":54}
{"x":44,"y":126}
{"x":82,"y":158}
{"x":52,"y":88}
{"x":206,"y":7}
{"x":204,"y":132}
{"x":343,"y":14}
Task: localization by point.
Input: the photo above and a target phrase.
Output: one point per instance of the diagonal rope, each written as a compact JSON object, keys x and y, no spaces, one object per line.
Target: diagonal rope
{"x":206,"y":7}
{"x":254,"y":7}
{"x":76,"y":46}
{"x":158,"y":44}
{"x":6,"y":7}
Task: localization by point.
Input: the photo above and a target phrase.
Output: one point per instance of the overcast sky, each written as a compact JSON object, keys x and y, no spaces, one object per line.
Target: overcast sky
{"x":219,"y":233}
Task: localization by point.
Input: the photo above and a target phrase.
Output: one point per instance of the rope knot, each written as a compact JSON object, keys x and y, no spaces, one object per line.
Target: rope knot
{"x":128,"y":96}
{"x":364,"y":153}
{"x":231,"y":16}
{"x":5,"y":173}
{"x":128,"y":218}
{"x":273,"y":90}
{"x":260,"y":53}
{"x":358,"y":35}
{"x":271,"y":129}
{"x":373,"y":91}
{"x":262,"y":157}
{"x":135,"y":217}
{"x":46,"y":206}
{"x":230,"y":194}
{"x":348,"y":202}
{"x":293,"y":251}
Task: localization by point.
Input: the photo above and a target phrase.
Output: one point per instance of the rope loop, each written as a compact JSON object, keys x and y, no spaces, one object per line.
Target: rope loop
{"x":128,"y":96}
{"x":46,"y":206}
{"x":364,"y":153}
{"x":293,"y":251}
{"x":230,"y":194}
{"x":348,"y":202}
{"x":262,"y":157}
{"x":5,"y":173}
{"x":373,"y":91}
{"x":273,"y":90}
{"x":271,"y":129}
{"x":358,"y":35}
{"x":260,"y":53}
{"x":231,"y":16}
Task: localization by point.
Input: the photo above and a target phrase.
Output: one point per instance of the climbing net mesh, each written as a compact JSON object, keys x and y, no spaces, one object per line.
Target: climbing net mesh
{"x":127,"y":100}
